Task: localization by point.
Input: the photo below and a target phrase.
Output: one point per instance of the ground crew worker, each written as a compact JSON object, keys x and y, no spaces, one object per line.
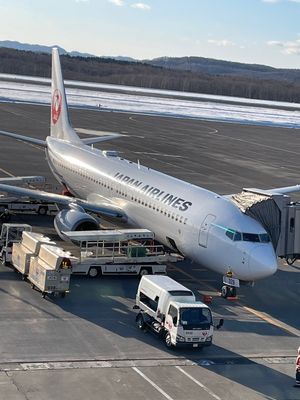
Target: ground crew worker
{"x":298,"y":368}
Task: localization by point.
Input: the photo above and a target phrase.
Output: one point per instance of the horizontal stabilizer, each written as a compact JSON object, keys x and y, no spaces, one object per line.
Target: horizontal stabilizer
{"x":24,"y":138}
{"x":281,"y":190}
{"x":100,"y":136}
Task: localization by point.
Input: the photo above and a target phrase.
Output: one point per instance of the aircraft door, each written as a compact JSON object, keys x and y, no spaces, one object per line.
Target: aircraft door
{"x":204,"y":229}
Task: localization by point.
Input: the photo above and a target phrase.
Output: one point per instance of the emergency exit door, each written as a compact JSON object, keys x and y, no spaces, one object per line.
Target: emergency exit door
{"x":204,"y":229}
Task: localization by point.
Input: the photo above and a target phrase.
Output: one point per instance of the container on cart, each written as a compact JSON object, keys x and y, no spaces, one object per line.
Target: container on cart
{"x":50,"y":271}
{"x":27,"y":248}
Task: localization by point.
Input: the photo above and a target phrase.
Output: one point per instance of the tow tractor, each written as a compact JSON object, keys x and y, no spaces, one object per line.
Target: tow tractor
{"x":119,"y":252}
{"x":13,"y":205}
{"x":10,"y":234}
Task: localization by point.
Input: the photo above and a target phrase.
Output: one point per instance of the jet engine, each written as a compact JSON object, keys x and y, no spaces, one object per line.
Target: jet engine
{"x":74,"y":218}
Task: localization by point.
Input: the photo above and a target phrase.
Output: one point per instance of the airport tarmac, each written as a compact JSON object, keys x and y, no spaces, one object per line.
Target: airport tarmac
{"x":87,"y":345}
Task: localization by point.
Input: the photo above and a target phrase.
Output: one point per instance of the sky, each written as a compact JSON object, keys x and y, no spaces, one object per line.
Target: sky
{"x":250,"y":31}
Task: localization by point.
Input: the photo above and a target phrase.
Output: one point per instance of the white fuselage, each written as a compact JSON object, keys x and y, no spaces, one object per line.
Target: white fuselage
{"x":181,"y":215}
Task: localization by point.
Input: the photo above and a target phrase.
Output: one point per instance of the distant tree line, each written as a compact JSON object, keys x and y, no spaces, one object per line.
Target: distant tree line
{"x":105,"y":70}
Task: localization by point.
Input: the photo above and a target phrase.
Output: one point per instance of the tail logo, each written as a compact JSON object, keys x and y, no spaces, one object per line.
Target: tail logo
{"x":56,"y":105}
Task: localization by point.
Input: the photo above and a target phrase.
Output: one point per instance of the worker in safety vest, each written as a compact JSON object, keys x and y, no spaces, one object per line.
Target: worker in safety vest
{"x":298,"y":368}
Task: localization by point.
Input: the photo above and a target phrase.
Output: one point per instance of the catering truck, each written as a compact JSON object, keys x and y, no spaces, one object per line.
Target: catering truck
{"x":170,"y":310}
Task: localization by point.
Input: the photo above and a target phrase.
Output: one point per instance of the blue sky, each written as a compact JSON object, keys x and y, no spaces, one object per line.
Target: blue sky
{"x":252,"y":31}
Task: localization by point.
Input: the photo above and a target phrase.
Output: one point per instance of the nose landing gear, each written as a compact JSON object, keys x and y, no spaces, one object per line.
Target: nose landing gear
{"x":230,"y":284}
{"x":228,"y":291}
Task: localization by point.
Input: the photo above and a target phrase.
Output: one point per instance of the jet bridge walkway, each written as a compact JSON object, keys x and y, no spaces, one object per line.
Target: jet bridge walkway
{"x":278,"y":215}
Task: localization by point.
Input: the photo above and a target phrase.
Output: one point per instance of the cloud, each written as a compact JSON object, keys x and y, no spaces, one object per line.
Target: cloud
{"x":118,"y":3}
{"x":141,"y":6}
{"x":222,"y":42}
{"x":289,"y":47}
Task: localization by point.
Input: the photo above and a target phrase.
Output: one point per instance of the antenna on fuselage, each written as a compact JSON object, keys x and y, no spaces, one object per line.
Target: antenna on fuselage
{"x":138,"y":164}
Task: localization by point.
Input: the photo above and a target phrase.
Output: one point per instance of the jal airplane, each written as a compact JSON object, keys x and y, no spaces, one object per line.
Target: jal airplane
{"x":203,"y":226}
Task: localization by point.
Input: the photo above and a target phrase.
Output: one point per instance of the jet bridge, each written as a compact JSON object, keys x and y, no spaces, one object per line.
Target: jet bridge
{"x":278,"y":215}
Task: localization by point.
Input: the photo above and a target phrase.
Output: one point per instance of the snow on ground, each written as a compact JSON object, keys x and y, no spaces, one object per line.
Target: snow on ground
{"x":17,"y":91}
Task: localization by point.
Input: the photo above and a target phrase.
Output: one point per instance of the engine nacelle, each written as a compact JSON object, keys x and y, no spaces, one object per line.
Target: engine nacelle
{"x":74,"y":218}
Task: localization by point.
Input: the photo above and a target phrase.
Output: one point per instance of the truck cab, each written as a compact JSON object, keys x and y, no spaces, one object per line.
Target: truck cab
{"x":171,"y":310}
{"x":10,"y":234}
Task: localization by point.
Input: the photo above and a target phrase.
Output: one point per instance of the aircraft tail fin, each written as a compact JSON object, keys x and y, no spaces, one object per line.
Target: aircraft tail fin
{"x":60,"y":123}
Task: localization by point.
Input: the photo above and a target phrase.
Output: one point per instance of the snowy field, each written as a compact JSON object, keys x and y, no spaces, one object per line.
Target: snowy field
{"x":139,"y":100}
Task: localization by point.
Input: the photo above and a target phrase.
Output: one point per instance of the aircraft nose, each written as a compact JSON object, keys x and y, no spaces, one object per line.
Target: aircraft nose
{"x":262,"y":262}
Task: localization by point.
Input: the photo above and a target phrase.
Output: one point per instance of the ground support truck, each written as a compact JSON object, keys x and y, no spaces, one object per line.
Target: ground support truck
{"x":10,"y":234}
{"x":12,"y":205}
{"x":171,"y":311}
{"x":27,"y":248}
{"x":120,"y":252}
{"x":50,"y":271}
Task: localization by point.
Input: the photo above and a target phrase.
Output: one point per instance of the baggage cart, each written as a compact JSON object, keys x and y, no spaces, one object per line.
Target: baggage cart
{"x":50,"y":271}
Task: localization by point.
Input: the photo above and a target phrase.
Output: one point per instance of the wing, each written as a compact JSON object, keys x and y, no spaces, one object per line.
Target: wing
{"x":103,"y":208}
{"x":22,"y":179}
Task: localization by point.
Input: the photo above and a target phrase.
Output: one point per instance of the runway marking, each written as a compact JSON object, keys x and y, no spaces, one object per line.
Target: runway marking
{"x":6,"y":172}
{"x":273,"y":321}
{"x":265,"y":317}
{"x":157,"y":154}
{"x":193,"y":278}
{"x":199,"y":383}
{"x":153,"y":384}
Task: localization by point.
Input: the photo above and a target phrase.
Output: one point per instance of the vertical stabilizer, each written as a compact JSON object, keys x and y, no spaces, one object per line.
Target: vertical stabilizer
{"x":60,"y":124}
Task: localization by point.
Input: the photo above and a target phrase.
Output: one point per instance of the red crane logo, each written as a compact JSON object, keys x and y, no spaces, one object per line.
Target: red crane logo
{"x":56,"y":105}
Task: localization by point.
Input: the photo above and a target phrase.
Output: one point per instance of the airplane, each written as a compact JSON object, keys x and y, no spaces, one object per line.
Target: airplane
{"x":203,"y":226}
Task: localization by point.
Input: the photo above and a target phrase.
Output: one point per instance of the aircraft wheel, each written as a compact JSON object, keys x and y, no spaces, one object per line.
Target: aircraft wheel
{"x":225,"y":291}
{"x":233,"y":291}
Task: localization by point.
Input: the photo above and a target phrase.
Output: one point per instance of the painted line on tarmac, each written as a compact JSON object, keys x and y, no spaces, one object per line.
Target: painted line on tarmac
{"x":264,"y":316}
{"x":6,"y":172}
{"x":153,"y":384}
{"x":273,"y":321}
{"x":199,"y":383}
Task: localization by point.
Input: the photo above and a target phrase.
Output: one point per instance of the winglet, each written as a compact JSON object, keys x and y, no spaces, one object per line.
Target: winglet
{"x":60,"y":123}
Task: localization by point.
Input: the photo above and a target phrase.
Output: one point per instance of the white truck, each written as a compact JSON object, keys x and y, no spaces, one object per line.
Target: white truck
{"x":12,"y":205}
{"x":119,"y":252}
{"x":171,"y":311}
{"x":10,"y":234}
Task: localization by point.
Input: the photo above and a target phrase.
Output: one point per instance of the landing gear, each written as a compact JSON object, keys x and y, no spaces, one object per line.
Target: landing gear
{"x":228,"y":291}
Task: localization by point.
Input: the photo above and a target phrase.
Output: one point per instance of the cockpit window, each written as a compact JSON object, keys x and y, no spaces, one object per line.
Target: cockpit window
{"x":250,"y":237}
{"x":247,"y":237}
{"x":264,"y":238}
{"x":230,"y":234}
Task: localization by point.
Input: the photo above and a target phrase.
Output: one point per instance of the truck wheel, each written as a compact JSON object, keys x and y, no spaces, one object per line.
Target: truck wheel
{"x":140,"y":322}
{"x":144,"y":271}
{"x":168,"y":341}
{"x":93,"y":272}
{"x":42,"y":210}
{"x":4,"y":260}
